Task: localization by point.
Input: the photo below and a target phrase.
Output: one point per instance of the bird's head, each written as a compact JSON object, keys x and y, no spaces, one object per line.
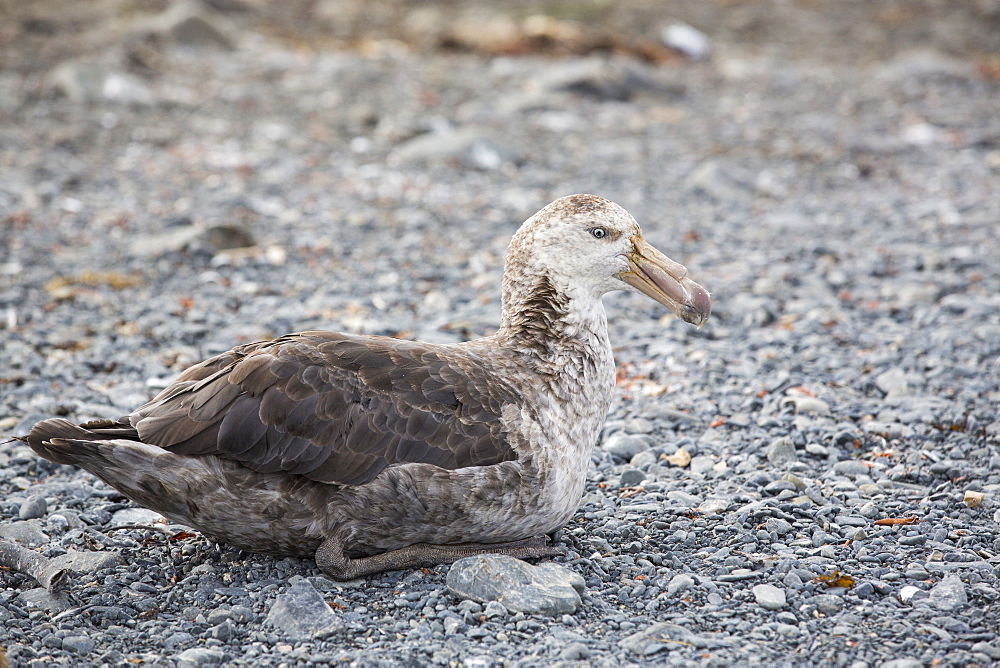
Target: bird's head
{"x":590,"y":244}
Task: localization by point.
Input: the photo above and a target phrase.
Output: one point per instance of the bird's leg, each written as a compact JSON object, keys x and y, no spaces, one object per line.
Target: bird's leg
{"x":332,"y":560}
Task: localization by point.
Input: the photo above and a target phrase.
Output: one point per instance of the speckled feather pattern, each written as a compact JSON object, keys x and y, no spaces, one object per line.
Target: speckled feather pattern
{"x":275,"y":446}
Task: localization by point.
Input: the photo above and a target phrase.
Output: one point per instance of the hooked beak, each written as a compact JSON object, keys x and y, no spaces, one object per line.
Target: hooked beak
{"x":656,"y":275}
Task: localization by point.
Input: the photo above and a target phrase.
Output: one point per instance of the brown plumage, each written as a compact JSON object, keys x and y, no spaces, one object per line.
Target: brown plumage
{"x":375,"y":453}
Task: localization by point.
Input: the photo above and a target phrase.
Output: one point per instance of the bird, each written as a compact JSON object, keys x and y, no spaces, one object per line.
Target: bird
{"x":371,"y":453}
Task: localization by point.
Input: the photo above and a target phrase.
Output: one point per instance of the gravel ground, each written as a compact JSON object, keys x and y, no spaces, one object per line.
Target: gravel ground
{"x":810,"y":479}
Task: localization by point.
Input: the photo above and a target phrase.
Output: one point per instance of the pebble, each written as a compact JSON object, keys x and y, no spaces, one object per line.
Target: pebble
{"x":688,"y":40}
{"x":781,"y":451}
{"x":546,"y":589}
{"x":949,"y":594}
{"x":300,"y":613}
{"x":626,"y":446}
{"x":769,"y":597}
{"x":78,"y":644}
{"x":667,"y":636}
{"x":87,"y":562}
{"x":199,"y":656}
{"x":33,"y":507}
{"x":679,"y":582}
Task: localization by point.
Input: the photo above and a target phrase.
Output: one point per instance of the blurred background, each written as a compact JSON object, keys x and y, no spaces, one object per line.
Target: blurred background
{"x":381,"y":153}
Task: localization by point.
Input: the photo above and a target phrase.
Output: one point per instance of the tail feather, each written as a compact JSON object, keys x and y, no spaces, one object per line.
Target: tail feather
{"x":42,"y":435}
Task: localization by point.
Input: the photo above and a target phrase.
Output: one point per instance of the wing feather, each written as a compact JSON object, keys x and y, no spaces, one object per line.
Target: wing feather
{"x":335,"y":408}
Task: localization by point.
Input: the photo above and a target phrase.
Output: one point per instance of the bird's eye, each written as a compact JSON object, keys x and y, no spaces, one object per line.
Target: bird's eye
{"x":598,"y":232}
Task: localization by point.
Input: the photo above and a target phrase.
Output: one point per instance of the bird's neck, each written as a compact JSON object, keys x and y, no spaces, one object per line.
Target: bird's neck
{"x":548,"y":322}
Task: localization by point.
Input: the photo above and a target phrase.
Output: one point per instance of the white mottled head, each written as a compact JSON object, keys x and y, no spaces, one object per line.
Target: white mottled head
{"x":584,"y":246}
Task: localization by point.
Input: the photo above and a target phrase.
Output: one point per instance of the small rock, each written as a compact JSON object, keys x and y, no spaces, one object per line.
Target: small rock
{"x":88,"y":83}
{"x":893,"y":382}
{"x":546,"y":589}
{"x":718,"y":181}
{"x":27,"y":532}
{"x":466,"y":146}
{"x":683,"y":498}
{"x":301,"y":613}
{"x":679,"y":582}
{"x":667,"y":636}
{"x":909,"y":593}
{"x":139,"y":516}
{"x":576,"y":651}
{"x":191,"y":24}
{"x":625,"y":445}
{"x":949,"y":594}
{"x":632,"y":477}
{"x":33,"y":508}
{"x":199,"y":656}
{"x":701,"y":464}
{"x":688,"y":40}
{"x":714,"y":505}
{"x":817,"y":450}
{"x":827,"y":604}
{"x":78,"y":644}
{"x":852,"y":468}
{"x":781,"y":451}
{"x":43,"y":599}
{"x":223,"y":631}
{"x":902,"y":663}
{"x":87,"y":562}
{"x":777,"y":525}
{"x":809,"y":405}
{"x":769,"y":597}
{"x":986,"y":648}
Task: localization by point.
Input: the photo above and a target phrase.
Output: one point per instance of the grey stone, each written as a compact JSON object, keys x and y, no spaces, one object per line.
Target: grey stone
{"x":42,"y":598}
{"x":546,"y":589}
{"x":949,"y":594}
{"x":199,"y":656}
{"x":300,"y":613}
{"x":777,"y":525}
{"x":679,"y":582}
{"x":89,"y":83}
{"x":714,"y":505}
{"x":141,"y":516}
{"x":827,"y":604}
{"x":852,"y":468}
{"x":87,"y":562}
{"x":781,"y":451}
{"x":625,"y":445}
{"x":988,"y":649}
{"x":719,"y":181}
{"x":901,"y":663}
{"x":33,"y":508}
{"x":222,"y":631}
{"x":575,"y":651}
{"x":176,"y":639}
{"x":893,"y":382}
{"x":191,"y":24}
{"x":683,"y":498}
{"x":632,"y":477}
{"x":26,"y":532}
{"x":466,"y":146}
{"x":807,"y":405}
{"x":769,"y":597}
{"x":667,"y":636}
{"x":701,"y":464}
{"x":78,"y":644}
